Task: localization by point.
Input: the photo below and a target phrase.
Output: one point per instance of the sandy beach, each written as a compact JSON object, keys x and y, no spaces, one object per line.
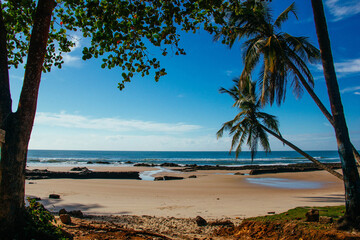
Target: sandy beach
{"x":212,"y":194}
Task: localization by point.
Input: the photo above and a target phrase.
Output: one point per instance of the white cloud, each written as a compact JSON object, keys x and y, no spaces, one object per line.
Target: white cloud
{"x":344,"y":8}
{"x":229,"y":73}
{"x":349,"y":66}
{"x":350,"y":89}
{"x":110,"y":124}
{"x":72,"y":61}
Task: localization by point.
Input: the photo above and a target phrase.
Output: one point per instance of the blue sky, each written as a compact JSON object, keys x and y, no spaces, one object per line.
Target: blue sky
{"x":80,"y":107}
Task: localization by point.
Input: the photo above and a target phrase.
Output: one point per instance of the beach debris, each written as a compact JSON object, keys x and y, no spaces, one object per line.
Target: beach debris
{"x":271,"y":212}
{"x":312,"y":215}
{"x":79,"y":169}
{"x":200,"y":221}
{"x":54,"y":196}
{"x":193,"y":176}
{"x":62,"y":211}
{"x":159,"y":179}
{"x":76,"y":213}
{"x":325,"y":219}
{"x":65,"y":218}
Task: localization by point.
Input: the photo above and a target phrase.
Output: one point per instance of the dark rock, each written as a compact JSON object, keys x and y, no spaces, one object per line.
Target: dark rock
{"x":239,"y":173}
{"x":102,"y":162}
{"x":325,"y":219}
{"x":143,"y":165}
{"x":54,"y":196}
{"x":169,"y":165}
{"x":159,"y":179}
{"x":312,"y":215}
{"x":90,"y":162}
{"x":76,"y":213}
{"x":79,"y":169}
{"x":193,"y":176}
{"x":200,"y":221}
{"x":258,"y":169}
{"x":172,"y":178}
{"x":271,"y":212}
{"x":62,"y":211}
{"x":65,"y":218}
{"x":86,"y":174}
{"x":129,"y":162}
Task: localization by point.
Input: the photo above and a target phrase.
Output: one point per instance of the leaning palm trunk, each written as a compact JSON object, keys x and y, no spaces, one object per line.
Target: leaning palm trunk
{"x":351,"y":175}
{"x":319,"y":164}
{"x":323,"y":108}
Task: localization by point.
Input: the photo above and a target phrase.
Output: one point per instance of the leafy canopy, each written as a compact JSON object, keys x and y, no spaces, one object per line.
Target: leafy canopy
{"x":282,"y":57}
{"x":120,"y":32}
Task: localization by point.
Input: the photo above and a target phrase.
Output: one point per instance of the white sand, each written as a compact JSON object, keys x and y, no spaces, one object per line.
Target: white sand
{"x":209,"y":195}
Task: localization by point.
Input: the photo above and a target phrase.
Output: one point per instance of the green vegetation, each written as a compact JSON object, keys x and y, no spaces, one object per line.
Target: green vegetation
{"x":299,"y":214}
{"x":39,"y":223}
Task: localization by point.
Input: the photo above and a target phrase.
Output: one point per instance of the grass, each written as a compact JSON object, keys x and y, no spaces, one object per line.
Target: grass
{"x":298,"y":215}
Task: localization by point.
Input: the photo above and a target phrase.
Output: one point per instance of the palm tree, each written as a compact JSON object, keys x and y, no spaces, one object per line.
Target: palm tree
{"x":283,"y":56}
{"x":351,"y":176}
{"x":252,"y":126}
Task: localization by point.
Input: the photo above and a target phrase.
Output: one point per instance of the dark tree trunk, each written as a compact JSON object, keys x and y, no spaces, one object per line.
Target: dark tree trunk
{"x":321,"y":106}
{"x":18,"y":126}
{"x":319,"y":164}
{"x":350,"y":173}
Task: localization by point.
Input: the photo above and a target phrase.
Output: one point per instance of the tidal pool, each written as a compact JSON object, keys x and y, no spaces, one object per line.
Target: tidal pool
{"x":285,"y":183}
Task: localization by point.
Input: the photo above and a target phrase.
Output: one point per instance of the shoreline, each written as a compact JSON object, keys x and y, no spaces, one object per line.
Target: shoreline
{"x":213,"y":194}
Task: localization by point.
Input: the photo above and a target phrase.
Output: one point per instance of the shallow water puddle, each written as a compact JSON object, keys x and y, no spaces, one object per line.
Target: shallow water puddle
{"x":148,"y":175}
{"x":284,"y":183}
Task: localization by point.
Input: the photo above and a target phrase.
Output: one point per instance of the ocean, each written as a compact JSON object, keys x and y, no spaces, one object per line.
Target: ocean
{"x":128,"y":158}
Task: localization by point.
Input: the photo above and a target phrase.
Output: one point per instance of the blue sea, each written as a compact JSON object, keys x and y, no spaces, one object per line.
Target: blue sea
{"x":128,"y":158}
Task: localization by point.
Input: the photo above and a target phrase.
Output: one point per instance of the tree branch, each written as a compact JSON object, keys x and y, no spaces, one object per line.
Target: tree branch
{"x":37,"y":50}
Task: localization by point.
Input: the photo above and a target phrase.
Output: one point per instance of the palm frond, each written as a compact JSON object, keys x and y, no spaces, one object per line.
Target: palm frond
{"x":285,"y":15}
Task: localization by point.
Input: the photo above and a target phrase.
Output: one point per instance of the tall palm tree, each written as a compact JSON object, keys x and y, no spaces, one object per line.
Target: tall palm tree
{"x":282,"y":55}
{"x":351,"y":176}
{"x":252,"y":126}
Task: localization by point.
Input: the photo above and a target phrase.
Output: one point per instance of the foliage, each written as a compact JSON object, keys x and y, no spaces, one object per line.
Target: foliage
{"x":248,"y":125}
{"x":119,"y":32}
{"x":39,"y":223}
{"x":282,"y":57}
{"x":299,"y":213}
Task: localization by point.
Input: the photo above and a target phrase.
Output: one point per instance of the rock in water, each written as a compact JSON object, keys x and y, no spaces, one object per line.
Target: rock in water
{"x":65,"y":218}
{"x":312,"y":215}
{"x":200,"y":221}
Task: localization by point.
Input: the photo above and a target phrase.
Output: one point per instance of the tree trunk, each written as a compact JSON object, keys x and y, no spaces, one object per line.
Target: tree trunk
{"x":351,"y":175}
{"x":18,"y":126}
{"x":319,"y":164}
{"x":321,"y":106}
